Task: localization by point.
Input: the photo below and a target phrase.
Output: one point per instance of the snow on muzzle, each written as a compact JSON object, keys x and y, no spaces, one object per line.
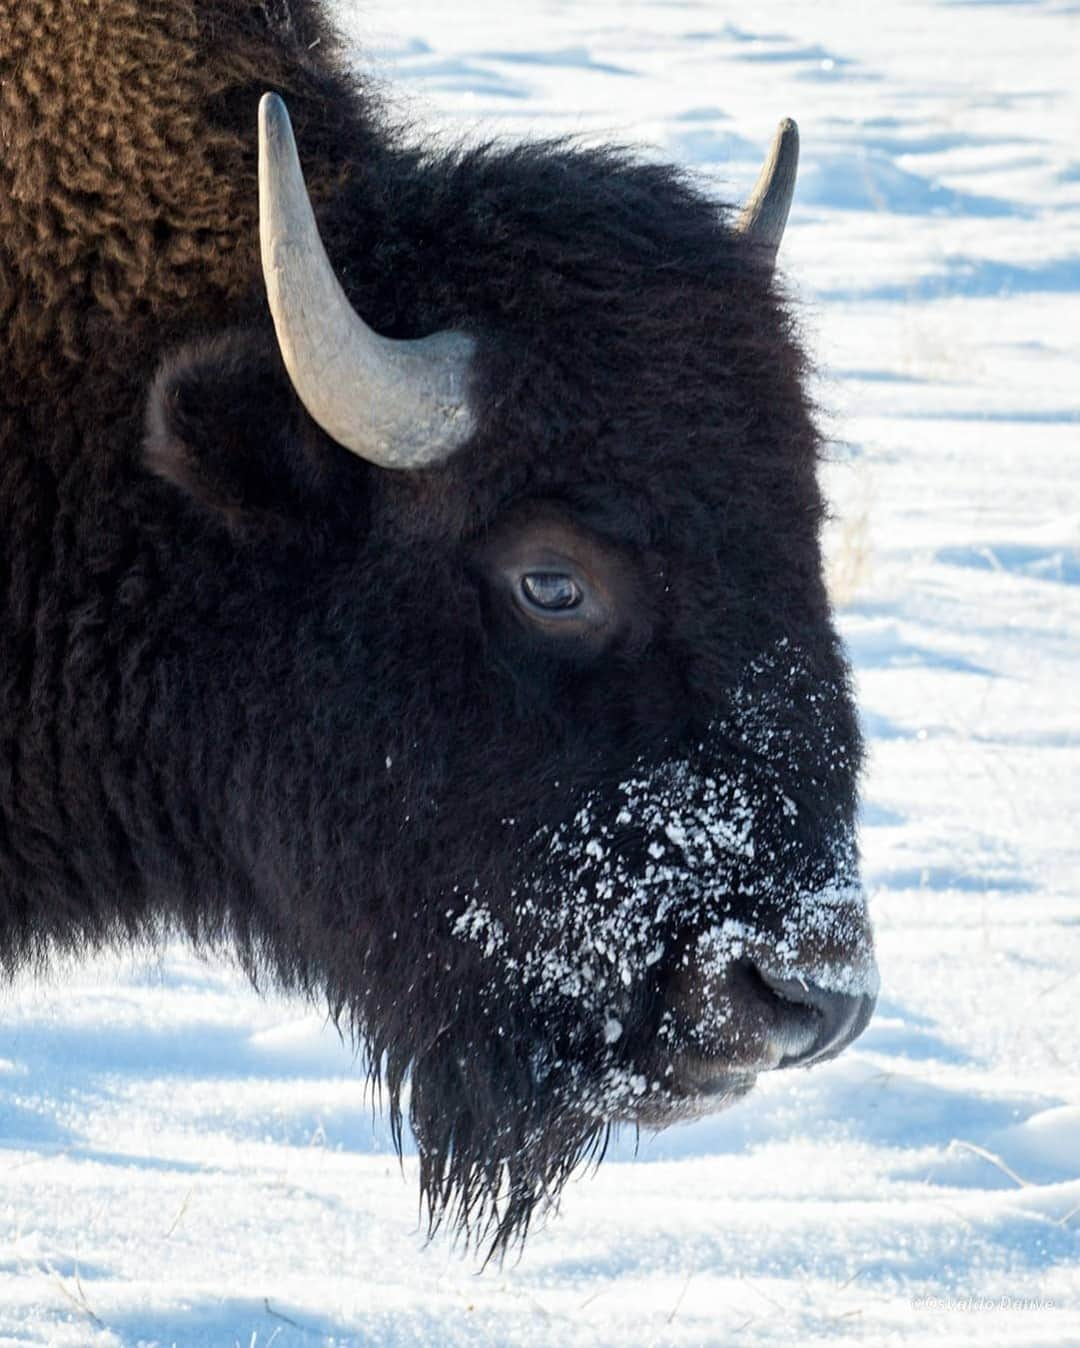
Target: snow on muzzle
{"x":695,"y":928}
{"x":696,"y":923}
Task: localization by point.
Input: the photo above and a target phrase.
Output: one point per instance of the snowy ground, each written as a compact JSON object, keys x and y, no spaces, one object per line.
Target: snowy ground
{"x":185,"y":1163}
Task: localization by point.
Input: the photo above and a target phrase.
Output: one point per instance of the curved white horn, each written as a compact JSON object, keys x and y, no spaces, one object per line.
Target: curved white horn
{"x":399,"y":404}
{"x":764,"y":216}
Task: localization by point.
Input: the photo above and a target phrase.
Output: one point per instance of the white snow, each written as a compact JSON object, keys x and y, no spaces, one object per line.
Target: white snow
{"x":186,"y":1163}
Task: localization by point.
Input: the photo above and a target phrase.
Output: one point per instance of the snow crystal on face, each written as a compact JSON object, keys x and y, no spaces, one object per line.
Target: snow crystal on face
{"x":477,"y":924}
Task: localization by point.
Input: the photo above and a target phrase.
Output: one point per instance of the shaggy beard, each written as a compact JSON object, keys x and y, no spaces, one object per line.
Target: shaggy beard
{"x":496,"y":1139}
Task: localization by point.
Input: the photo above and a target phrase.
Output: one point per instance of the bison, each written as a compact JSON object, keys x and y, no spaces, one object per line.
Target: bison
{"x":411,"y":583}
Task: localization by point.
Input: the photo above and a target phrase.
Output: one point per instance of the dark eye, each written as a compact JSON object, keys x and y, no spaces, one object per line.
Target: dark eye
{"x":551,"y":590}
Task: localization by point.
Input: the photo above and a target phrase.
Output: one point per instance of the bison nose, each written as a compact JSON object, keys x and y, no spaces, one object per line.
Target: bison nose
{"x":748,"y":1018}
{"x":837,"y":1017}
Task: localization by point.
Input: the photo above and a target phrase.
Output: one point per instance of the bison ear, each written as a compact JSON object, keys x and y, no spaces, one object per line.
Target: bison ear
{"x":223,"y":424}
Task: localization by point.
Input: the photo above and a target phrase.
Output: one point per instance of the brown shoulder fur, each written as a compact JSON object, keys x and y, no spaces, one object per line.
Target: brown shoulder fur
{"x":127,"y":168}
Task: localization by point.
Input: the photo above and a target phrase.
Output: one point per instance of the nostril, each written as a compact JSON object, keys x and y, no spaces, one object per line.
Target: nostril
{"x":841,"y":1016}
{"x":732,"y":1023}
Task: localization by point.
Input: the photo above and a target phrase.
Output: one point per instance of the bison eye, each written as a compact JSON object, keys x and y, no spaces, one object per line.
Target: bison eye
{"x":551,"y":591}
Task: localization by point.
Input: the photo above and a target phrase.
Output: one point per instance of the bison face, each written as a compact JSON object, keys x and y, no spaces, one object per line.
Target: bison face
{"x":698,"y":917}
{"x":685,"y":910}
{"x":548,"y":767}
{"x":660,"y":898}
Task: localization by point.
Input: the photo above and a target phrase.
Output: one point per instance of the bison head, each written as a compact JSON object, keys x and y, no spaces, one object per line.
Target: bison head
{"x":525,"y":733}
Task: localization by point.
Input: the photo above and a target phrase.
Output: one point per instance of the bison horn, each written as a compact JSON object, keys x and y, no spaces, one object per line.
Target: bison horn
{"x":399,"y":404}
{"x":765,"y":214}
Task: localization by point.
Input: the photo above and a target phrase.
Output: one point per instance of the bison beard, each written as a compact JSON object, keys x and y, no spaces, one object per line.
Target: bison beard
{"x":525,"y":741}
